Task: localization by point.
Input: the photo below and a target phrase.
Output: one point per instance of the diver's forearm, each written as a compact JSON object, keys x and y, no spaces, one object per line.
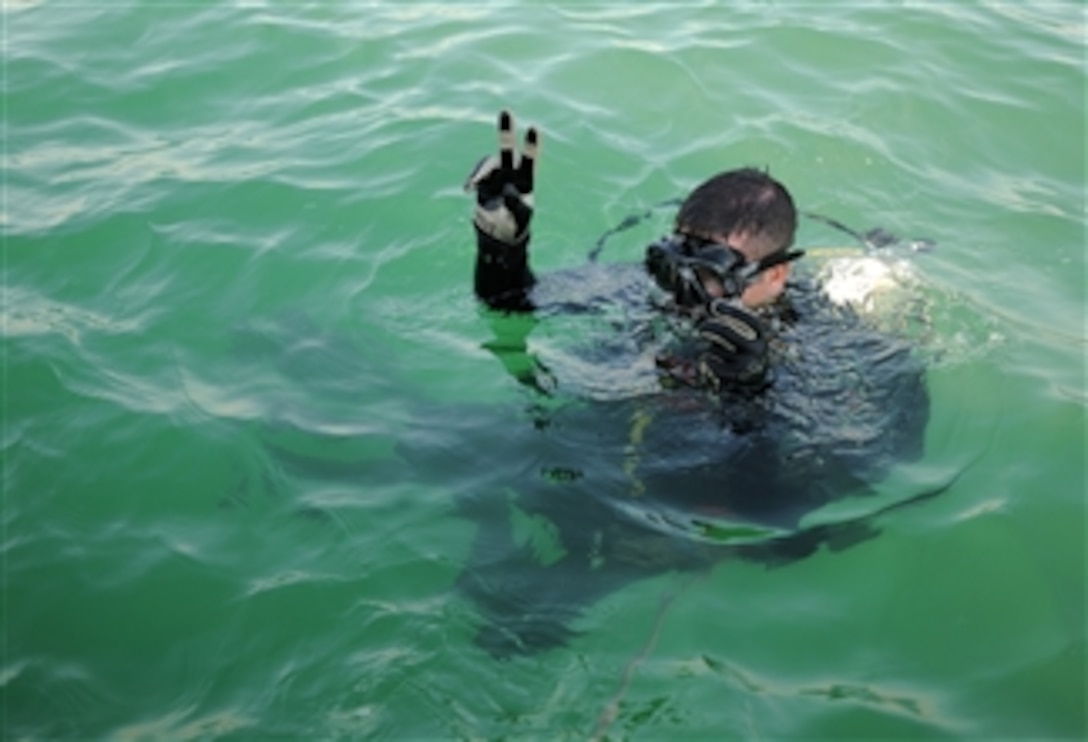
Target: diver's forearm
{"x":503,"y":277}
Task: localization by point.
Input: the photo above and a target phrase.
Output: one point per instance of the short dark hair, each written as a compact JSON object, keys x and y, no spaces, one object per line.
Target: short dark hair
{"x":745,"y":200}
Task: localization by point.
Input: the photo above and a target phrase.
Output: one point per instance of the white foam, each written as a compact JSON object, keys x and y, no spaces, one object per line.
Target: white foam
{"x":864,"y":282}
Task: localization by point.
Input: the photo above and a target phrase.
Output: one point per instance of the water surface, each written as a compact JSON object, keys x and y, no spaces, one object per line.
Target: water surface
{"x":237,"y":265}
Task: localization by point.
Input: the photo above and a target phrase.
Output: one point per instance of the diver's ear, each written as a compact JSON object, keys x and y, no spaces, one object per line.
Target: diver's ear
{"x":778,"y":274}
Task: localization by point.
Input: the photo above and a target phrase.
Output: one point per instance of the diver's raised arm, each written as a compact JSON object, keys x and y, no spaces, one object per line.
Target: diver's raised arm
{"x":504,"y":209}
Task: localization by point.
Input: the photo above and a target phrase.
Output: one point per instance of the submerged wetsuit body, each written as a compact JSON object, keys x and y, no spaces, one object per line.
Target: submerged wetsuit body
{"x":659,"y":457}
{"x":843,"y":403}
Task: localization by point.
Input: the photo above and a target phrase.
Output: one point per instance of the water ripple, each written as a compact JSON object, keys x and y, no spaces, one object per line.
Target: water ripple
{"x":247,"y":381}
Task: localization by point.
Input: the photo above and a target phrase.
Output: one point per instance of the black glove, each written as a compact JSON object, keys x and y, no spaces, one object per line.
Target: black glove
{"x":504,"y":188}
{"x":736,"y":347}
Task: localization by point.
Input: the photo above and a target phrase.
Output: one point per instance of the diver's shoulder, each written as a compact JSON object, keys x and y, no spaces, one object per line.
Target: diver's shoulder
{"x":804,"y":302}
{"x":838,"y":336}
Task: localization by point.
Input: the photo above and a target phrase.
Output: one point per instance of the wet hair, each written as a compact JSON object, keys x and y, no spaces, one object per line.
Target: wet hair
{"x":746,"y":200}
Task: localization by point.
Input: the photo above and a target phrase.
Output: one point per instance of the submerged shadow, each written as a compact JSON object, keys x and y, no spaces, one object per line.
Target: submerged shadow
{"x":545,"y":551}
{"x":628,"y":489}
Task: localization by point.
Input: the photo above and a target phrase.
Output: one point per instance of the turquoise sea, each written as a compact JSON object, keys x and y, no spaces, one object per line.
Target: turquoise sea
{"x":246,"y":382}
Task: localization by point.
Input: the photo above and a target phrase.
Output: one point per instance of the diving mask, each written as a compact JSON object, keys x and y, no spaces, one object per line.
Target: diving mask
{"x":681,"y":264}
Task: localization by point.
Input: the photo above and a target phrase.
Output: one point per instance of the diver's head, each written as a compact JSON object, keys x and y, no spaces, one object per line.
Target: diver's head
{"x":749,"y":211}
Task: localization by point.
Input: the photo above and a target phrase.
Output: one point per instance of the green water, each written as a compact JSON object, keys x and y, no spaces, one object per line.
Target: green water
{"x":237,"y":265}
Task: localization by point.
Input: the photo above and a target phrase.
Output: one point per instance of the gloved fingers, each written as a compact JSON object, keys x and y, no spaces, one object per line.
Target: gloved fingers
{"x":526,"y":170}
{"x":506,"y":143}
{"x":484,"y":170}
{"x":736,"y":347}
{"x":494,"y":172}
{"x":739,"y":327}
{"x":518,"y":206}
{"x":713,"y":370}
{"x":719,"y":337}
{"x":718,"y":371}
{"x":743,"y":324}
{"x":497,"y":222}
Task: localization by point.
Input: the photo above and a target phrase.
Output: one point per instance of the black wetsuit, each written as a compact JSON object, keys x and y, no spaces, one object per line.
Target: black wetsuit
{"x":648,"y":464}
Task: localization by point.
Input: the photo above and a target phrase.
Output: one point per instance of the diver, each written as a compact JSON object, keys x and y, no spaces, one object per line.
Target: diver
{"x":796,"y":402}
{"x":727,"y":260}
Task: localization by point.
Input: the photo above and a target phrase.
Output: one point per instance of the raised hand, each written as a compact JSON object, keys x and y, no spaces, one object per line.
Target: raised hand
{"x":504,"y":186}
{"x":736,"y":347}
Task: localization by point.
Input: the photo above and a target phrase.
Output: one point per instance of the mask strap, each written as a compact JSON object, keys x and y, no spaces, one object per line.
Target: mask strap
{"x":748,"y":272}
{"x":778,"y":258}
